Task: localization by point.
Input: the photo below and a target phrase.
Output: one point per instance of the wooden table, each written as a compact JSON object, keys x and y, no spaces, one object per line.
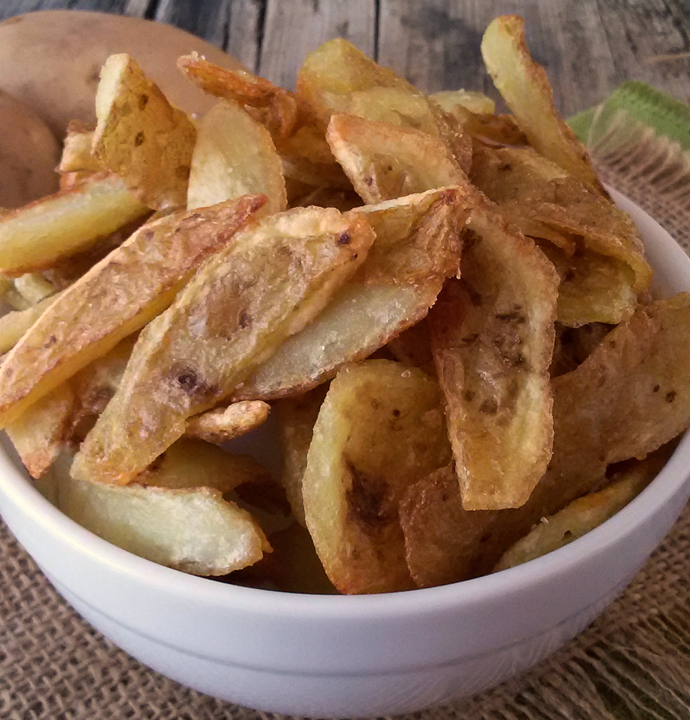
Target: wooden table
{"x":587,"y":46}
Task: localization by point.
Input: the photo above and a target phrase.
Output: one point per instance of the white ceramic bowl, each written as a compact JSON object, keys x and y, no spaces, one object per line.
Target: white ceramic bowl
{"x":353,"y":656}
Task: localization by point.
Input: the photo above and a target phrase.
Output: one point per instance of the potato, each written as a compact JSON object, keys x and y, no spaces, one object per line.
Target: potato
{"x":42,"y":432}
{"x":140,"y":136}
{"x":269,"y":104}
{"x":583,"y":514}
{"x":475,"y":102}
{"x":379,"y":429}
{"x":39,"y":234}
{"x":524,"y":86}
{"x":226,"y":423}
{"x":492,"y":336}
{"x":193,"y":530}
{"x":234,"y":155}
{"x":385,"y":161}
{"x":76,"y":150}
{"x":115,"y":298}
{"x":33,"y":287}
{"x":193,"y":464}
{"x":296,"y":420}
{"x":69,"y":48}
{"x":627,"y":399}
{"x":417,"y":246}
{"x":28,"y":154}
{"x":339,"y":78}
{"x":15,"y":323}
{"x":240,"y":306}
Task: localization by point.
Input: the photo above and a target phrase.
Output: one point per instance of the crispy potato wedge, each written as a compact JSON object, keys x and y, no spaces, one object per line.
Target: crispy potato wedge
{"x":475,"y":102}
{"x":296,"y":420}
{"x":379,"y":429}
{"x":140,"y":136}
{"x":293,"y":566}
{"x":593,"y":287}
{"x":226,"y":423}
{"x":193,"y":530}
{"x":189,"y":464}
{"x":492,"y":336}
{"x":233,"y":156}
{"x":34,"y":287}
{"x":543,"y":192}
{"x":42,"y":432}
{"x":76,"y":151}
{"x":627,"y":399}
{"x":115,"y":298}
{"x":234,"y":313}
{"x":339,"y":78}
{"x":417,"y":246}
{"x":37,"y":235}
{"x":385,"y":161}
{"x":583,"y":514}
{"x":15,"y":323}
{"x":273,"y":106}
{"x":524,"y":86}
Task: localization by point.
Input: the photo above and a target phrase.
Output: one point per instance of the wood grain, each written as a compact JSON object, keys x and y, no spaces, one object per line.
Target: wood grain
{"x":588,"y":47}
{"x":292,"y":29}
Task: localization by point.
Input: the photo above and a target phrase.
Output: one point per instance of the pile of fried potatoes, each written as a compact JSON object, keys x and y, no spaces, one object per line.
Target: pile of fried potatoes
{"x":449,"y":318}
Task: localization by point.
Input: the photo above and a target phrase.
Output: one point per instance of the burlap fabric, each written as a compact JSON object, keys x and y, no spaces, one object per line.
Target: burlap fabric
{"x":633,"y":663}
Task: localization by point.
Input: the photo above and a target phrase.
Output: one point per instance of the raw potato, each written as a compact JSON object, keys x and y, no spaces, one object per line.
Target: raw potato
{"x":583,"y":514}
{"x":234,"y":155}
{"x":385,"y":161}
{"x":237,"y":310}
{"x":68,"y":49}
{"x":39,"y":234}
{"x":296,"y":420}
{"x":28,"y":154}
{"x":140,"y":136}
{"x":41,"y":433}
{"x":224,"y":424}
{"x":189,"y":464}
{"x":417,"y":247}
{"x":380,"y":429}
{"x":492,"y":339}
{"x":193,"y":530}
{"x":115,"y":298}
{"x":524,"y":86}
{"x":627,"y":399}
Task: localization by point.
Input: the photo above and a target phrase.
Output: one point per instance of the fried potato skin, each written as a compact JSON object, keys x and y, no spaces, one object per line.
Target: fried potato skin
{"x":114,"y":299}
{"x":417,"y":246}
{"x":41,"y":433}
{"x":224,"y":424}
{"x":193,"y":530}
{"x":611,"y":408}
{"x":37,"y":235}
{"x":380,"y":428}
{"x":492,"y":337}
{"x":220,"y":327}
{"x":584,"y":514}
{"x":233,"y":156}
{"x":296,"y":419}
{"x":140,"y":136}
{"x":524,"y":86}
{"x":386,"y":161}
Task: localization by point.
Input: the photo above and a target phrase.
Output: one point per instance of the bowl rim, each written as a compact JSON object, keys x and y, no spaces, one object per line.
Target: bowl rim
{"x":21,"y":491}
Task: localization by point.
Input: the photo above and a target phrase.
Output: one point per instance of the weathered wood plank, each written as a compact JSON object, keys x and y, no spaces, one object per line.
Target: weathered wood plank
{"x":234,"y":25}
{"x":646,"y":40}
{"x":436,"y":44}
{"x":295,"y":27}
{"x":136,"y":8}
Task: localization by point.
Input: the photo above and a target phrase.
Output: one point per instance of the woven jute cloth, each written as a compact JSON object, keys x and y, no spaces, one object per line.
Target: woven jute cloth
{"x":633,"y":663}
